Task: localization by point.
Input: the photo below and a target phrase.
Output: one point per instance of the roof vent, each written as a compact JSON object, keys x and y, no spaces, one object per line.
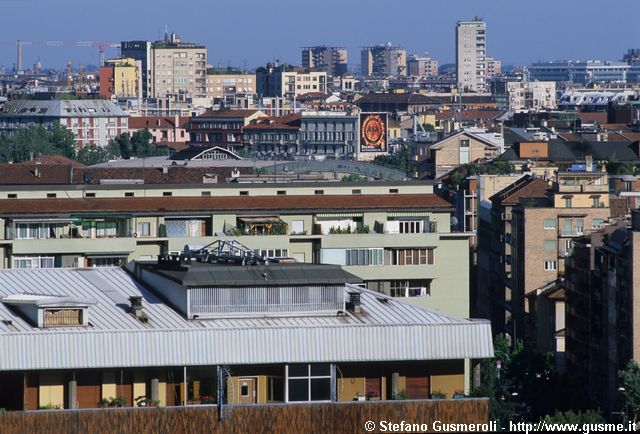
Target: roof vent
{"x":354,"y":304}
{"x":136,"y":308}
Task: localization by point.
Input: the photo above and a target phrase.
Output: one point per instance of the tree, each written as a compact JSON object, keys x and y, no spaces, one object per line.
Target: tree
{"x":630,"y":388}
{"x":400,"y":160}
{"x":571,"y":417}
{"x":63,"y":141}
{"x":143,"y":147}
{"x":354,"y":177}
{"x":123,"y":142}
{"x":93,"y":154}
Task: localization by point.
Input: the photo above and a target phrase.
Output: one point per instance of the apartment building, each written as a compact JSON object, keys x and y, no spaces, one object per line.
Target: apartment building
{"x":224,"y":85}
{"x":163,"y":129}
{"x":597,"y":312}
{"x":523,"y":248}
{"x":525,"y":95}
{"x":300,"y":348}
{"x":140,"y":51}
{"x":591,"y":71}
{"x":471,"y":55}
{"x":383,"y":60}
{"x":396,"y":236}
{"x":224,"y":128}
{"x":121,"y":78}
{"x":422,"y":66}
{"x":94,"y":122}
{"x":178,"y":68}
{"x":494,"y":67}
{"x":332,"y":60}
{"x":284,"y":81}
{"x":464,"y":147}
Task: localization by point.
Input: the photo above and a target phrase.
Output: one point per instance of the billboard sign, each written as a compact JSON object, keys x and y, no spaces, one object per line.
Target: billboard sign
{"x":373,"y":132}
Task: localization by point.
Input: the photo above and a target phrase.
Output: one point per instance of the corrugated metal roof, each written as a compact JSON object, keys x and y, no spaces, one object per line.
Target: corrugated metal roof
{"x":388,"y":329}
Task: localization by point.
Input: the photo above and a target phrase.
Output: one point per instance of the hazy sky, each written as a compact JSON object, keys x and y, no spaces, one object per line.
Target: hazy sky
{"x":255,"y":31}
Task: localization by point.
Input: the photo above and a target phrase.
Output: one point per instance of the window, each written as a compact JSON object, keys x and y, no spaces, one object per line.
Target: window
{"x":410,"y":288}
{"x":144,"y":229}
{"x":596,"y":201}
{"x":90,"y":195}
{"x":318,"y":192}
{"x":464,"y":143}
{"x":282,"y":192}
{"x":244,"y":193}
{"x":167,"y":194}
{"x":12,"y":196}
{"x":130,"y":194}
{"x":550,"y":265}
{"x":51,"y":195}
{"x":412,"y":257}
{"x":356,"y":191}
{"x":273,"y":253}
{"x":62,"y":317}
{"x":549,"y":223}
{"x":33,"y":262}
{"x":308,"y":382}
{"x":550,"y":245}
{"x":205,"y":193}
{"x":568,"y":202}
{"x":597,"y":223}
{"x":580,"y":226}
{"x":297,"y":227}
{"x":364,"y":257}
{"x":393,"y":190}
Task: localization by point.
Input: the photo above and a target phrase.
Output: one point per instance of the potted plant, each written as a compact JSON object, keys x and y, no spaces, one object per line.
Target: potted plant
{"x":372,"y":396}
{"x":401,"y":395}
{"x":359,"y":397}
{"x":437,"y":394}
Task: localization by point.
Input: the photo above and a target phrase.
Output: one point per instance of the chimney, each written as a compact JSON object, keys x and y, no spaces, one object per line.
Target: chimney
{"x":136,"y":308}
{"x":588,"y":160}
{"x":354,"y":304}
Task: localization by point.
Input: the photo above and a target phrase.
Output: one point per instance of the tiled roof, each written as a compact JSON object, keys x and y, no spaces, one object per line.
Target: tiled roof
{"x":471,"y":115}
{"x":225,"y":203}
{"x":159,"y":122}
{"x":536,"y":188}
{"x":288,"y":122}
{"x":228,"y":113}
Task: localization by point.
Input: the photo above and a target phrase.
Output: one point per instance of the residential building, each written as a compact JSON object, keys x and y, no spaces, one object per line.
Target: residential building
{"x":163,"y":129}
{"x":178,"y":68}
{"x":140,"y":51}
{"x":225,"y":85}
{"x":525,"y":95}
{"x":396,"y":103}
{"x":291,"y":333}
{"x":284,"y":81}
{"x":494,"y":67}
{"x":422,"y":66}
{"x":462,"y":147}
{"x":94,"y":122}
{"x":599,"y":310}
{"x":523,"y":248}
{"x":383,"y":60}
{"x":121,"y":78}
{"x":471,"y":53}
{"x":395,"y":236}
{"x":224,"y":128}
{"x":332,"y":60}
{"x":591,"y":71}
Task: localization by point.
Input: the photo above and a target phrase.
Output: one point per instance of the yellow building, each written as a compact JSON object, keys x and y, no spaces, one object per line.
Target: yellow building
{"x":120,"y":77}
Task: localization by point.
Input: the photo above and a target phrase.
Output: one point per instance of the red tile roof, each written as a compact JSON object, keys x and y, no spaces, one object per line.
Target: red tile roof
{"x":225,"y":203}
{"x":50,"y":160}
{"x":536,"y":188}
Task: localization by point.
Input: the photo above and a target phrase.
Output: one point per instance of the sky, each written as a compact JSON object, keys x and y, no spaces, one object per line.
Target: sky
{"x":252,"y":32}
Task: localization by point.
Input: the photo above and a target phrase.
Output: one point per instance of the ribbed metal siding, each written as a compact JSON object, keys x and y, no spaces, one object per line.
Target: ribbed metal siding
{"x":212,"y":302}
{"x":77,"y":350}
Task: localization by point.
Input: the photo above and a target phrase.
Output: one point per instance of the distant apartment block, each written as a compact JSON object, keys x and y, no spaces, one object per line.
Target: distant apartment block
{"x":224,"y":128}
{"x":140,"y":51}
{"x":591,"y":71}
{"x":494,"y":67}
{"x":225,"y":85}
{"x":178,"y":68}
{"x":285,"y":81}
{"x":94,"y":122}
{"x":383,"y":60}
{"x":121,"y":78}
{"x":471,"y":55}
{"x":524,"y":95}
{"x":422,"y":66}
{"x":332,"y":60}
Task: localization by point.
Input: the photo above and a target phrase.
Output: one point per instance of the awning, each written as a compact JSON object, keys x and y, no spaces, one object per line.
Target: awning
{"x":101,"y":215}
{"x":340,"y":215}
{"x":258,"y":220}
{"x":108,"y":254}
{"x":45,"y":220}
{"x":409,"y":214}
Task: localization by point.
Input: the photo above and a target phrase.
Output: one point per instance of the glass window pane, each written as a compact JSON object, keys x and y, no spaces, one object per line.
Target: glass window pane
{"x":299,"y":390}
{"x":320,"y":389}
{"x":319,"y":369}
{"x":299,"y":370}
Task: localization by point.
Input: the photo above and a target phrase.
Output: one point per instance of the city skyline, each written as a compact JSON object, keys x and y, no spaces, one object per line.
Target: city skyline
{"x":243,"y":40}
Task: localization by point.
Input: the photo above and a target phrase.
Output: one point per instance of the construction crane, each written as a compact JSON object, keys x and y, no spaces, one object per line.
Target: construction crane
{"x":100,"y":45}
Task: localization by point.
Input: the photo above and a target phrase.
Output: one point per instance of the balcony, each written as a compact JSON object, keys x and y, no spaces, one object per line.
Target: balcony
{"x":80,"y":246}
{"x":423,"y":240}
